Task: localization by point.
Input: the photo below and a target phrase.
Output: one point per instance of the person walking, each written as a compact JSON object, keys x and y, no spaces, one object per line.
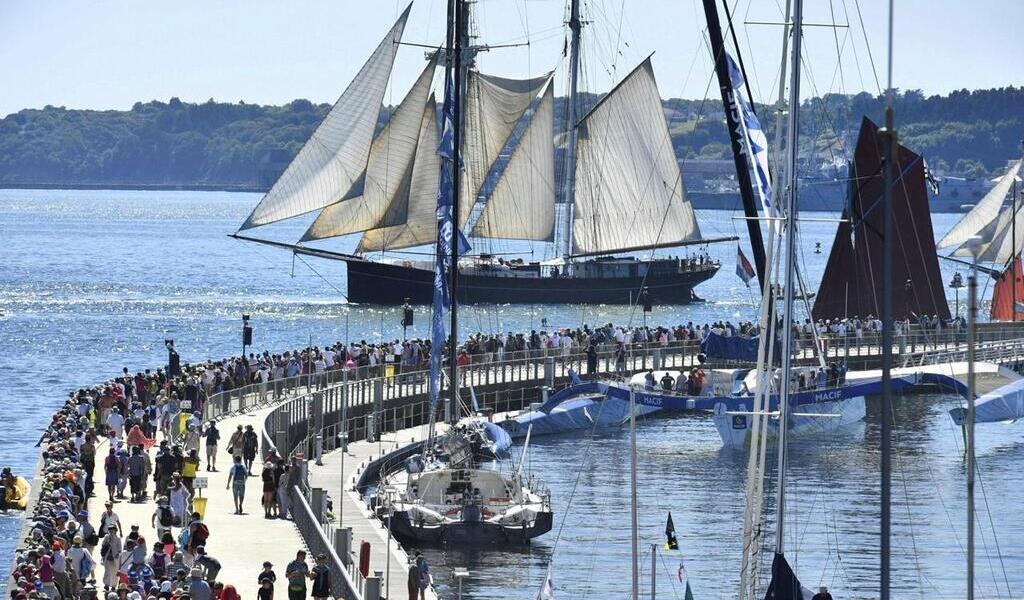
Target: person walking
{"x":250,"y":441}
{"x":267,"y":578}
{"x":269,"y":489}
{"x":236,"y":482}
{"x":321,"y":576}
{"x":212,"y":435}
{"x":110,"y":552}
{"x":112,"y":473}
{"x":297,"y":572}
{"x":235,"y":443}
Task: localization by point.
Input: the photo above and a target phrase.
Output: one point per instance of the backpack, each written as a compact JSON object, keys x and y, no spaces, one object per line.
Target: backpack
{"x":201,"y":535}
{"x":238,"y":473}
{"x":106,"y":551}
{"x":166,"y":516}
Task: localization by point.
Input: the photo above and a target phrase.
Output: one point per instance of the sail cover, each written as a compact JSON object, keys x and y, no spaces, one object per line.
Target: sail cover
{"x":522,"y":204}
{"x":334,"y":157}
{"x":413,"y":222}
{"x":983,"y":213}
{"x":388,"y":170}
{"x":784,"y":584}
{"x":629,"y":191}
{"x":493,"y":106}
{"x":852,"y":283}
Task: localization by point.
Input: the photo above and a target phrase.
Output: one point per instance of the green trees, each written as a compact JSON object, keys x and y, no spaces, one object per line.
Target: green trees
{"x":224,"y":144}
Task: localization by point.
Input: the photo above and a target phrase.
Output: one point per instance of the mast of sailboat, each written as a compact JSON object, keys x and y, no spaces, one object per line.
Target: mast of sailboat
{"x":569,"y":189}
{"x":457,"y":25}
{"x":789,"y":262}
{"x":634,"y":509}
{"x":739,"y":156}
{"x":892,"y":156}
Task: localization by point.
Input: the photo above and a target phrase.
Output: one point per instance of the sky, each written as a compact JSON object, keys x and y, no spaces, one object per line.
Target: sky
{"x":109,"y":54}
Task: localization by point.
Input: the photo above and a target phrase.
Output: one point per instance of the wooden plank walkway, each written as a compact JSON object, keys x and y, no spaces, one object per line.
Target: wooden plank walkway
{"x":351,"y":511}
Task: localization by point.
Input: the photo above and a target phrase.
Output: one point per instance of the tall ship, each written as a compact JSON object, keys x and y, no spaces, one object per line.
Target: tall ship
{"x":617,"y":197}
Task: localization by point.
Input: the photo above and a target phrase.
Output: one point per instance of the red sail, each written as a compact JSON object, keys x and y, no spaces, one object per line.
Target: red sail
{"x":1003,"y":296}
{"x":852,"y":284}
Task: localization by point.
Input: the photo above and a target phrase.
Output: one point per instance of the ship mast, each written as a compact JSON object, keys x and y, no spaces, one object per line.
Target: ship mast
{"x":456,"y":37}
{"x":790,"y":275}
{"x":569,"y":195}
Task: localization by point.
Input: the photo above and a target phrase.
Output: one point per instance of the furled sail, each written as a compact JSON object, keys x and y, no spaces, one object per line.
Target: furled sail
{"x":412,"y":219}
{"x":852,"y":283}
{"x":983,"y":213}
{"x":388,"y":170}
{"x":522,"y":203}
{"x":629,"y":191}
{"x":493,"y":106}
{"x":334,"y":157}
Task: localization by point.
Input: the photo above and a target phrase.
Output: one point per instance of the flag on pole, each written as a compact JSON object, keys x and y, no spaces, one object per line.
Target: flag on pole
{"x":445,"y":257}
{"x":547,"y":589}
{"x":681,"y":573}
{"x":743,"y":268}
{"x":670,"y":534}
{"x":757,"y":143}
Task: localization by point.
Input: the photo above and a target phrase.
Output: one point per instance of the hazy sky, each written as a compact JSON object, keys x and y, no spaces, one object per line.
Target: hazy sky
{"x":110,"y":53}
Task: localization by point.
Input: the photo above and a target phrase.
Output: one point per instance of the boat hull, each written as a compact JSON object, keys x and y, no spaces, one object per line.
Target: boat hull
{"x":467,"y":533}
{"x":372,"y":282}
{"x":735,"y":429}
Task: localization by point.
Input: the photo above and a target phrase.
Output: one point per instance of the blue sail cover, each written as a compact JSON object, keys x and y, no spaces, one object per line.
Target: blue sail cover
{"x":730,"y":347}
{"x":1002,"y":404}
{"x":784,"y":584}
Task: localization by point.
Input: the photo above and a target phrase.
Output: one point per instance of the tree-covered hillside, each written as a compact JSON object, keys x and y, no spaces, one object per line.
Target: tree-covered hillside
{"x":220,"y":144}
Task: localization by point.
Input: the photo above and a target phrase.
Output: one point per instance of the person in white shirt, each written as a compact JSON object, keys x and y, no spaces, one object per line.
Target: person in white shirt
{"x":116,"y":422}
{"x":328,"y":355}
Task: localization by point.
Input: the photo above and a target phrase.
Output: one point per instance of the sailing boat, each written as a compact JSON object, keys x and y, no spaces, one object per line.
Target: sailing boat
{"x":445,"y":495}
{"x":989,"y":232}
{"x":851,"y":285}
{"x":622,"y":190}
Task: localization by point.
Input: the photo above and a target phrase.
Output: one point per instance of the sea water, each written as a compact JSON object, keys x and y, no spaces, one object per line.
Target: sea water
{"x":93,"y":281}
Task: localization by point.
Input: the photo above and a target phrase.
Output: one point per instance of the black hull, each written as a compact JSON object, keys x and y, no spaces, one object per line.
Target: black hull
{"x":476,"y":533}
{"x":383,"y":283}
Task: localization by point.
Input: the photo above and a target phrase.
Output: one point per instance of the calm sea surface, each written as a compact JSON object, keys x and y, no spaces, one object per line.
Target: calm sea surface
{"x":94,"y":281}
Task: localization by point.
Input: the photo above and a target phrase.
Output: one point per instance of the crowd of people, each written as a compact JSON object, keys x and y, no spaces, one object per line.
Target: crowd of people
{"x":107,"y":432}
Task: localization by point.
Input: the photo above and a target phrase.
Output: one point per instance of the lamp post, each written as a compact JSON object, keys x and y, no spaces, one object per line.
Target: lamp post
{"x":246,"y":334}
{"x":956,"y":283}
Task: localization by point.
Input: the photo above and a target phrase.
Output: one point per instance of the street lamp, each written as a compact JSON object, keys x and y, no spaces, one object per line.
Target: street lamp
{"x":956,"y":283}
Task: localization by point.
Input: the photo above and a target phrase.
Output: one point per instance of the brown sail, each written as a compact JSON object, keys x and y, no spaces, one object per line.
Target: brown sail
{"x":852,"y":284}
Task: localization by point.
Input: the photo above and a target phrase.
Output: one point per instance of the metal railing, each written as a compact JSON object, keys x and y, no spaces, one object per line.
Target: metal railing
{"x":320,"y":542}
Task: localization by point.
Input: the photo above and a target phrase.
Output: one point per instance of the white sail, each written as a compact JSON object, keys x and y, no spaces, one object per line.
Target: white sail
{"x":493,"y":106}
{"x":629,"y":191}
{"x":996,"y":243}
{"x":522,"y":204}
{"x":983,"y":213}
{"x":388,"y":170}
{"x":418,"y":225}
{"x":334,"y":157}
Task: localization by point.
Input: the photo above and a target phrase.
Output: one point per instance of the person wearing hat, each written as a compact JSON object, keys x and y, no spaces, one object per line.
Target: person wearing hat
{"x":321,"y":576}
{"x":266,"y":579}
{"x":822,"y":594}
{"x":250,"y":442}
{"x":82,"y":562}
{"x":198,"y":588}
{"x":212,"y":436}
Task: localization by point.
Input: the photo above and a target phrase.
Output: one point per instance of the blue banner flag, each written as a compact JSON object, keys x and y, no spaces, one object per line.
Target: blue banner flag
{"x":444,"y":258}
{"x":757,"y":143}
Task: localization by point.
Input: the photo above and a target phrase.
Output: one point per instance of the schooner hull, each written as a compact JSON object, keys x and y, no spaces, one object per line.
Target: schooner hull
{"x":392,"y":284}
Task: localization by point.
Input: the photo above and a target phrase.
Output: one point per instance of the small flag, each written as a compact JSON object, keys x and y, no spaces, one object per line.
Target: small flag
{"x":547,"y":589}
{"x":744,"y":270}
{"x":670,"y":535}
{"x":681,"y":572}
{"x":930,"y":179}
